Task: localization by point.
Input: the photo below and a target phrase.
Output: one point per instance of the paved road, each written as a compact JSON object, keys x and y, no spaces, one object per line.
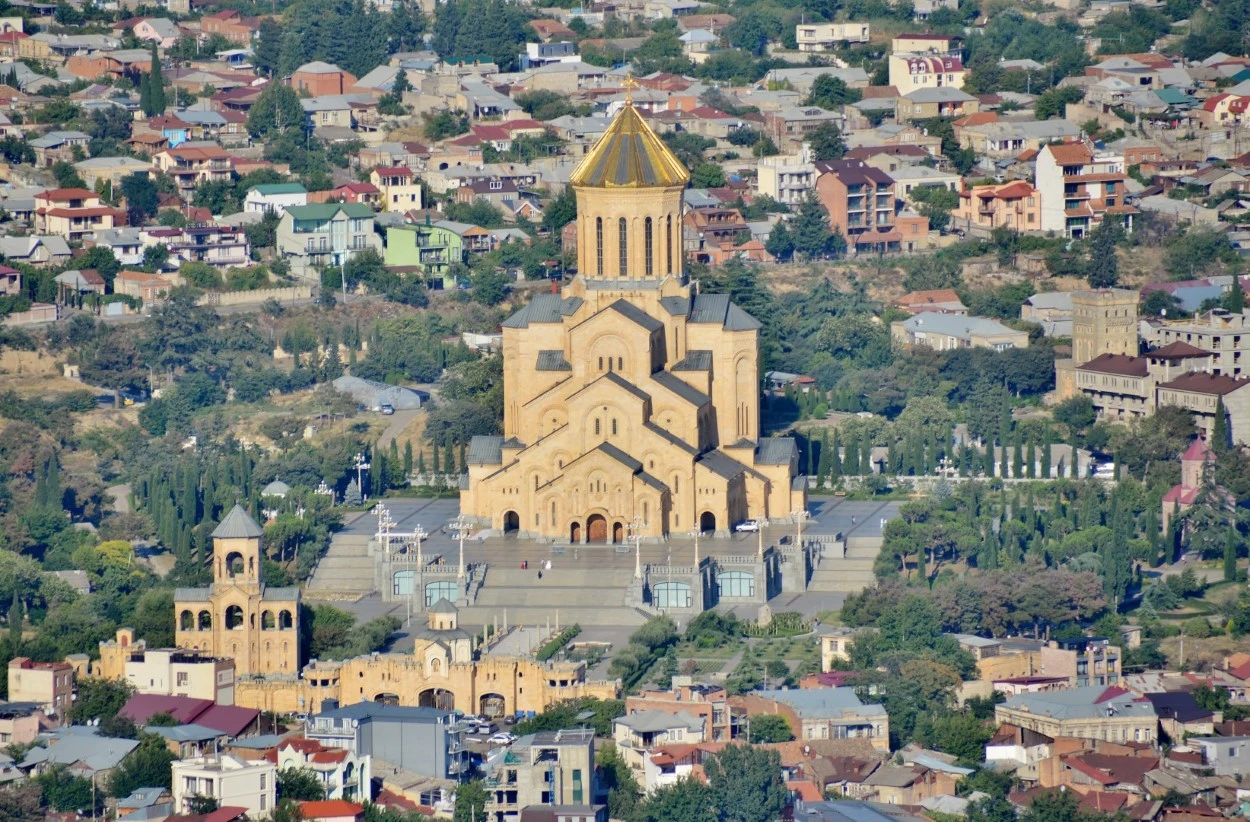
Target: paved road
{"x":398,"y":422}
{"x":121,"y":498}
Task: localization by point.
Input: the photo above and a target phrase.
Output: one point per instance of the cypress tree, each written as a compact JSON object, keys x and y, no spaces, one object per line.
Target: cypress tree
{"x":835,"y":458}
{"x":866,"y":456}
{"x":1017,"y":458}
{"x":408,"y":458}
{"x":393,"y":456}
{"x":851,"y":464}
{"x":1045,"y":460}
{"x":1220,"y":439}
{"x":421,"y":462}
{"x":1230,"y":545}
{"x":1005,"y":458}
{"x":449,"y":458}
{"x":157,"y":81}
{"x":434,"y":453}
{"x":1236,"y":300}
{"x":464,"y":465}
{"x":15,"y":623}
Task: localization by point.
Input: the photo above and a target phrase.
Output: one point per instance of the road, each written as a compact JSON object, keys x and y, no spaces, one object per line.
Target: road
{"x":398,"y":422}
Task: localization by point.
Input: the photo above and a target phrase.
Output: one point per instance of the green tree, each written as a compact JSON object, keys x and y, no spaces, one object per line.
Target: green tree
{"x":780,"y":242}
{"x":1231,"y":541}
{"x":1103,"y":266}
{"x":67,"y":792}
{"x":707,"y":175}
{"x":98,"y":698}
{"x":810,"y":227}
{"x":746,"y":784}
{"x":1235,"y":299}
{"x":490,"y":287}
{"x":936,"y":203}
{"x":142,"y":198}
{"x":687,"y":800}
{"x":275,"y":111}
{"x":300,"y":784}
{"x":959,"y":734}
{"x":147,"y":766}
{"x":1221,"y":439}
{"x":826,"y":142}
{"x":770,"y":728}
{"x":470,"y":802}
{"x":831,"y":93}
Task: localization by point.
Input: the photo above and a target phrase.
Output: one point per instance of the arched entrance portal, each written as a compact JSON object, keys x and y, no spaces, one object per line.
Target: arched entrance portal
{"x":707,"y":522}
{"x":492,"y":705}
{"x":575,"y":532}
{"x":511,"y":522}
{"x":386,"y":699}
{"x":437,"y":698}
{"x":596,"y":528}
{"x":618,"y":532}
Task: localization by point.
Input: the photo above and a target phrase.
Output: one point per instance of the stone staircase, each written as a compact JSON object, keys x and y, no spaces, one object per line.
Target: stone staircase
{"x":587,"y":597}
{"x":345,"y":572}
{"x":850,"y":575}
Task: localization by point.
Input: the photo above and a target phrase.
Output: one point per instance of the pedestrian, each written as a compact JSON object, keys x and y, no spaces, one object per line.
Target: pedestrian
{"x":540,"y":574}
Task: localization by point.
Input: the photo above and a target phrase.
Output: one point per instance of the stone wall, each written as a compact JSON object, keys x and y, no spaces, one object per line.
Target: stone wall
{"x":286,"y":294}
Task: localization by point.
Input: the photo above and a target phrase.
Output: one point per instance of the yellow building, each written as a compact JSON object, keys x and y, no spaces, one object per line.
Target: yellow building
{"x":238,"y":616}
{"x":629,"y":398}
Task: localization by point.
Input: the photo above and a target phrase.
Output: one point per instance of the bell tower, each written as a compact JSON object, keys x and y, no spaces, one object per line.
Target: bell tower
{"x":236,"y":551}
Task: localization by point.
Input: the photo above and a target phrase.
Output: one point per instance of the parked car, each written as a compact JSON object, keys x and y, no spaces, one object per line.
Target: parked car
{"x":386,"y":409}
{"x":502,"y":738}
{"x":750,"y":525}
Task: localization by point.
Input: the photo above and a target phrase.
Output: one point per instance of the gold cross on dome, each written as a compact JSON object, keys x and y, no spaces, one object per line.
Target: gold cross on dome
{"x":630,"y":85}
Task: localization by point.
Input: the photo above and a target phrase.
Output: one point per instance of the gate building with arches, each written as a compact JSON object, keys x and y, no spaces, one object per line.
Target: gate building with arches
{"x":238,"y":616}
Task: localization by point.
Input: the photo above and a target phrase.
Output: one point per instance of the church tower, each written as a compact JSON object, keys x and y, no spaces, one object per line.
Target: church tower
{"x":631,"y":401}
{"x":238,"y":616}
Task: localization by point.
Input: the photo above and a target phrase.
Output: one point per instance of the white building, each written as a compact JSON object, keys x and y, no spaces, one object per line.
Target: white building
{"x":182,"y":673}
{"x":1081,"y":185}
{"x":275,"y":197}
{"x":787,"y":177}
{"x":816,"y":37}
{"x":232,"y":782}
{"x":343,"y":773}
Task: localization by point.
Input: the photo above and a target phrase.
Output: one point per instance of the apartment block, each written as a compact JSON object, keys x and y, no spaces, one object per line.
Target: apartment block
{"x":220,"y":246}
{"x":1016,"y":205}
{"x":47,"y":684}
{"x":231,"y":781}
{"x":314,"y":236}
{"x":1080,"y":187}
{"x":910,"y":72}
{"x":861,"y":203}
{"x":546,"y":768}
{"x":1090,"y":712}
{"x":710,"y":703}
{"x":343,"y":773}
{"x":1225,"y":335}
{"x":425,"y":741}
{"x":787,"y":178}
{"x":189,"y":166}
{"x":171,"y":672}
{"x":818,"y":37}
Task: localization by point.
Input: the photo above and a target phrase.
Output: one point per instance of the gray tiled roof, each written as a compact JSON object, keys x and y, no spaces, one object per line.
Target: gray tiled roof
{"x":823,"y":703}
{"x":1079,"y":703}
{"x":193,"y":595}
{"x":709,"y":308}
{"x":636,"y":314}
{"x":776,"y":451}
{"x":718,"y":462}
{"x":677,"y":306}
{"x":485,"y":450}
{"x":620,"y":456}
{"x":544,"y":308}
{"x":738,"y":320}
{"x":281,"y":594}
{"x":680,"y":388}
{"x":553,"y":361}
{"x":694,"y":361}
{"x":238,"y":524}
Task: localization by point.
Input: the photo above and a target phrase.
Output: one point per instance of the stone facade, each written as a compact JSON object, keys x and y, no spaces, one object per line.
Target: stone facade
{"x":238,"y":616}
{"x":630,"y":398}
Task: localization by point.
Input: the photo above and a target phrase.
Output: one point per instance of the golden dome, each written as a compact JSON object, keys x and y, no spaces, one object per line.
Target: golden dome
{"x":630,"y":155}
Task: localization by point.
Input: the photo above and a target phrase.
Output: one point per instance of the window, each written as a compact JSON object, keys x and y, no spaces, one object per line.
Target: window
{"x":671,"y":595}
{"x":735,"y":584}
{"x":614,"y":428}
{"x":596,"y":426}
{"x":620,"y":363}
{"x":623,"y":239}
{"x":183,"y":679}
{"x":599,"y":248}
{"x":650,"y":264}
{"x":668,"y":243}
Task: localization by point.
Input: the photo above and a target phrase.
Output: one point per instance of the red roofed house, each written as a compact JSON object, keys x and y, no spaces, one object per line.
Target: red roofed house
{"x":941,"y":301}
{"x":342,"y":774}
{"x":1180,"y":497}
{"x":191,"y":165}
{"x":1223,"y":109}
{"x":1016,"y":205}
{"x":366,"y":193}
{"x":231,"y":720}
{"x":74,"y":213}
{"x":1080,"y":187}
{"x":399,"y":187}
{"x":1202,"y":393}
{"x":230,"y":25}
{"x":331,"y":810}
{"x":318,"y":78}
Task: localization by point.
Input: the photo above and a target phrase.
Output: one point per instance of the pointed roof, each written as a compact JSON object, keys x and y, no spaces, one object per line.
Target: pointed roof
{"x":238,"y":524}
{"x":1198,"y":451}
{"x":630,"y":155}
{"x":443,"y":606}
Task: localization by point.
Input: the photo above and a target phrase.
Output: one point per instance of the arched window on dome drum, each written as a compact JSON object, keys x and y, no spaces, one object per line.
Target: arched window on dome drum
{"x":599,"y":243}
{"x":668,"y":241}
{"x":623,"y":232}
{"x":650,"y":262}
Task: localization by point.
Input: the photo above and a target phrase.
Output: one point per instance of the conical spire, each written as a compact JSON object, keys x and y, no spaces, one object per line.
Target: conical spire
{"x":630,"y":155}
{"x":238,"y":524}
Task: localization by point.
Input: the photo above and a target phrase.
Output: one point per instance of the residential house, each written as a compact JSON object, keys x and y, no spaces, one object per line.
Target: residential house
{"x":1080,"y":186}
{"x":113,"y":169}
{"x":231,"y":781}
{"x":189,"y":166}
{"x":922,"y":9}
{"x":39,"y":251}
{"x":218,"y":245}
{"x":72,"y":286}
{"x":861,"y":203}
{"x":835,"y":645}
{"x":58,"y":146}
{"x":428,"y":248}
{"x":944,"y":101}
{"x":494,"y":191}
{"x":786,"y":178}
{"x":1052,"y":310}
{"x":319,"y":78}
{"x":789,"y":126}
{"x":1090,"y":712}
{"x":313,"y":236}
{"x":400,"y":188}
{"x":160,"y":30}
{"x":1093,"y":771}
{"x":125,"y":243}
{"x":940,"y":301}
{"x":275,"y":197}
{"x":74,"y":213}
{"x":711,"y":227}
{"x":81,"y":751}
{"x":639,"y":732}
{"x":1180,"y":716}
{"x":909,"y":72}
{"x":945,"y":332}
{"x":231,"y":25}
{"x":709,"y":703}
{"x":1202,"y":393}
{"x":1016,"y":205}
{"x":908,"y":178}
{"x":564,"y":813}
{"x":47,"y":684}
{"x":994,"y":138}
{"x":1226,"y":755}
{"x":344,"y":774}
{"x":424,"y":741}
{"x":111,"y":65}
{"x":546,"y":768}
{"x":150,"y":288}
{"x":10,"y":281}
{"x":1078,"y":662}
{"x":364,"y":193}
{"x":19,"y":724}
{"x":823,"y":713}
{"x":331,"y":810}
{"x":820,"y":37}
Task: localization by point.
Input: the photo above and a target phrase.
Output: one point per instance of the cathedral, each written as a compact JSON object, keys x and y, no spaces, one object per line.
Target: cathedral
{"x":631,"y":401}
{"x":238,"y":616}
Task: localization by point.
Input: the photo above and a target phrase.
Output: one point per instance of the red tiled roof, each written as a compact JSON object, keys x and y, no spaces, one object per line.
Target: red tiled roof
{"x":1121,"y":364}
{"x":230,"y":813}
{"x":940,"y":295}
{"x":806,"y":791}
{"x":1181,"y":495}
{"x":395,"y":171}
{"x":1105,"y":802}
{"x":229,"y":719}
{"x":315,"y":809}
{"x":142,"y":707}
{"x":1201,"y":382}
{"x":1198,"y":451}
{"x":1070,"y":154}
{"x":1177,"y":351}
{"x":66,"y":194}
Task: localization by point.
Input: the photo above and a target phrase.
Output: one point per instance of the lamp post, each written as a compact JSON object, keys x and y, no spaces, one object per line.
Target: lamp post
{"x":635,"y":527}
{"x":694,"y":532}
{"x":763,"y":523}
{"x":360,"y":464}
{"x":420,"y":535}
{"x":461,"y":526}
{"x":326,"y":491}
{"x":800,"y":516}
{"x":385,"y":524}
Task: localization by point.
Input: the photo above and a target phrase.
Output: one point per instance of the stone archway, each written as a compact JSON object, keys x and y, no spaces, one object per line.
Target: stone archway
{"x":511,"y":522}
{"x":575,"y":532}
{"x":596,"y":528}
{"x":707,"y":522}
{"x":386,"y":698}
{"x":618,"y":532}
{"x":439,"y":698}
{"x":492,"y":705}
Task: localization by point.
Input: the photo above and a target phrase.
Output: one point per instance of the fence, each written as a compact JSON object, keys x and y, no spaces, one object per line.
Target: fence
{"x":286,"y":294}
